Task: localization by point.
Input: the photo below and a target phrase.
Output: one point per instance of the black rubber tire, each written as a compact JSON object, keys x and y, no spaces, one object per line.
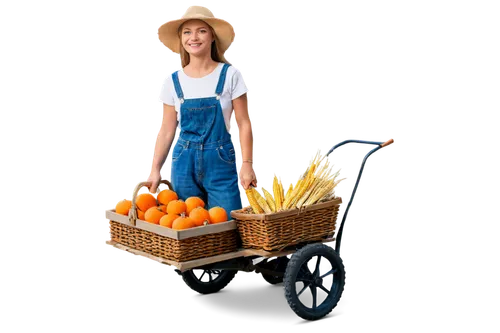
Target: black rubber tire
{"x":297,"y":270}
{"x":209,"y":287}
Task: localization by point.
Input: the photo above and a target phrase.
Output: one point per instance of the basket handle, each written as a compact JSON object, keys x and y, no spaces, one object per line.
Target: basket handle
{"x":132,"y":215}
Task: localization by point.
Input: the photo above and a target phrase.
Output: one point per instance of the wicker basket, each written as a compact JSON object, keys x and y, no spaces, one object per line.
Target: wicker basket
{"x":159,"y":241}
{"x":276,"y":231}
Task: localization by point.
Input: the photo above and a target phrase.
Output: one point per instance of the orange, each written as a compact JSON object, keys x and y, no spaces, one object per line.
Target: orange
{"x":217,"y":215}
{"x":192,"y":203}
{"x":182,"y":223}
{"x":167,"y":220}
{"x":145,"y":201}
{"x":199,"y":215}
{"x":165,"y":196}
{"x":176,"y":207}
{"x":123,"y":207}
{"x":140,"y":214}
{"x":153,"y":215}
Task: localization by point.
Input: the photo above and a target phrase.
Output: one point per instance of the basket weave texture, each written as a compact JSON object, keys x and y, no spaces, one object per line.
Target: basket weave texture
{"x":173,"y":249}
{"x":276,"y":231}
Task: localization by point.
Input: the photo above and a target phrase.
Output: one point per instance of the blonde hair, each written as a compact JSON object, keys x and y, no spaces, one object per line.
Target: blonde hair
{"x":214,"y":49}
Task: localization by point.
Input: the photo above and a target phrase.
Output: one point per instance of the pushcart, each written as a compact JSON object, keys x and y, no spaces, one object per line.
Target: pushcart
{"x":299,"y":267}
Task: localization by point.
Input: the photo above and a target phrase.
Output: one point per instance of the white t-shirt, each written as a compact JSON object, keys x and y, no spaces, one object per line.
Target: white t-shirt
{"x":234,"y":87}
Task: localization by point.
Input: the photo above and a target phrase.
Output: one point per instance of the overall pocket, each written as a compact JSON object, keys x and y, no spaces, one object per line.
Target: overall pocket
{"x":226,"y":153}
{"x":177,"y":152}
{"x":198,"y":120}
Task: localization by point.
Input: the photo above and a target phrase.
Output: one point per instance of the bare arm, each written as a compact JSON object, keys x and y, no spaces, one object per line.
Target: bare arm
{"x":164,"y":138}
{"x":240,"y":106}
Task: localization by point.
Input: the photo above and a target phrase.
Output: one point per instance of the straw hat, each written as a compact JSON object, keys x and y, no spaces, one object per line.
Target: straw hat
{"x":168,"y":33}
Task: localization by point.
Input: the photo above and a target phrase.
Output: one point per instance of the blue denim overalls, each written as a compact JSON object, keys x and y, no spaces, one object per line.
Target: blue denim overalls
{"x":203,"y":159}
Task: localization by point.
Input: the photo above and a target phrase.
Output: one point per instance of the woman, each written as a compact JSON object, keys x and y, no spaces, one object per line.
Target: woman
{"x":200,"y":99}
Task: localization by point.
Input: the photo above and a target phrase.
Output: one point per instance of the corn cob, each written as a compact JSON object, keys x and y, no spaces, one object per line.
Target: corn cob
{"x":276,"y":191}
{"x":262,"y":202}
{"x":310,"y":180}
{"x":253,"y":201}
{"x":286,"y":192}
{"x":282,"y":193}
{"x":304,"y":186}
{"x":308,"y":193}
{"x":293,"y":194}
{"x":270,"y":200}
{"x":319,"y":192}
{"x":324,"y":190}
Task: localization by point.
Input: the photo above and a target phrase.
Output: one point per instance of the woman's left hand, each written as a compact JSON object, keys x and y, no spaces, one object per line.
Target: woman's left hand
{"x":247,"y":176}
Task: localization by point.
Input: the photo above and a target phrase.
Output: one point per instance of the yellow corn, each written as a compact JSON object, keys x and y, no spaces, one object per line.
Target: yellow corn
{"x":289,"y":189}
{"x":306,"y":195}
{"x":320,"y":193}
{"x":262,"y":202}
{"x":302,"y":186}
{"x":276,"y":191}
{"x":270,"y":200}
{"x":308,"y":181}
{"x":292,"y":195}
{"x":253,"y":202}
{"x":282,"y":193}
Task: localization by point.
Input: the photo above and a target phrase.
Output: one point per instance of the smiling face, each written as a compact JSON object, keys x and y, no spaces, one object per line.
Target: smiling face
{"x":196,"y":37}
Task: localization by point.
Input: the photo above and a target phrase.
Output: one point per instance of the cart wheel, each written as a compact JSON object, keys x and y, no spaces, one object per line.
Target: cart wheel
{"x":325,"y":287}
{"x":207,"y":281}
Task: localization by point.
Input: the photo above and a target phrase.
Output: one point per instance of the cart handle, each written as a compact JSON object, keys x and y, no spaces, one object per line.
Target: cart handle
{"x":132,"y":214}
{"x":382,"y":144}
{"x":378,"y":145}
{"x":388,"y":142}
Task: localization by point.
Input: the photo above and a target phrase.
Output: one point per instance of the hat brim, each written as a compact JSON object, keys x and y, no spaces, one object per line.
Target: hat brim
{"x":168,"y":32}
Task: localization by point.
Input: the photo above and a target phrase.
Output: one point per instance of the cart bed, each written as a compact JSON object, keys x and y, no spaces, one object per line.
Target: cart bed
{"x":186,"y":265}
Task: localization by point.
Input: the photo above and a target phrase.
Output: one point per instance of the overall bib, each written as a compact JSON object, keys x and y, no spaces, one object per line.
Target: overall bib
{"x":203,"y":159}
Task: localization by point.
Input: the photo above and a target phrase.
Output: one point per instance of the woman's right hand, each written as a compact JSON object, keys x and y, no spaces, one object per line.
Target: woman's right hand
{"x":154,"y":178}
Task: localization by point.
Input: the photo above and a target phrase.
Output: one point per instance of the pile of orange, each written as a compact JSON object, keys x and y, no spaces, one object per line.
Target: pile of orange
{"x":169,"y":211}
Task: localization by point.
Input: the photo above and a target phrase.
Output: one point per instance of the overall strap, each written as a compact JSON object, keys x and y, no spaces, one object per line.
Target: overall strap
{"x":222,"y":79}
{"x":177,"y":85}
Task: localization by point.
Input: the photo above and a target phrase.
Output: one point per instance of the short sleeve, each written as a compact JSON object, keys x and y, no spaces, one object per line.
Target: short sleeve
{"x":166,"y":93}
{"x":238,"y":86}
